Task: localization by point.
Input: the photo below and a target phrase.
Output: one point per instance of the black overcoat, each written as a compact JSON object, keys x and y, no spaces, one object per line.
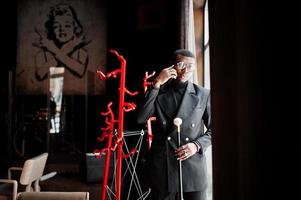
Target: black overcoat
{"x":194,"y":110}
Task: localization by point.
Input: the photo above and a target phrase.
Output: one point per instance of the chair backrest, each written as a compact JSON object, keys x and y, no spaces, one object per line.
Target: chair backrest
{"x":53,"y":196}
{"x":33,"y":170}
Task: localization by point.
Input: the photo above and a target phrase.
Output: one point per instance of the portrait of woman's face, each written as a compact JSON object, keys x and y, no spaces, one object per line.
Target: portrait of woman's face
{"x":63,"y":28}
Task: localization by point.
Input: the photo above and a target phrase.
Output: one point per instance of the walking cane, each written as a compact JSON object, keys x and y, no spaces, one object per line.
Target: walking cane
{"x":177,"y":122}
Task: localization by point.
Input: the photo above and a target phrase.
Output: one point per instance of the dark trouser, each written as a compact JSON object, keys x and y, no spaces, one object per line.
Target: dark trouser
{"x":155,"y":195}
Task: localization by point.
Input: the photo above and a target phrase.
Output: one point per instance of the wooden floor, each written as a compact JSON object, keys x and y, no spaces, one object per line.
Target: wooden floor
{"x":72,"y":183}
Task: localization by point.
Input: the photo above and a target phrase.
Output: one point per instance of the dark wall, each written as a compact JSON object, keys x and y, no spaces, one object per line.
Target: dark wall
{"x":8,"y":38}
{"x":145,"y":33}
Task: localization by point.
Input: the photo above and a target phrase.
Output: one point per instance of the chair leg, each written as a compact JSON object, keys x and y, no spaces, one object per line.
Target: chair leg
{"x":37,"y":187}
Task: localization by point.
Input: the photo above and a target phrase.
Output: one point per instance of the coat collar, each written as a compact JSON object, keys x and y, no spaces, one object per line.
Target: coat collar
{"x":188,"y":104}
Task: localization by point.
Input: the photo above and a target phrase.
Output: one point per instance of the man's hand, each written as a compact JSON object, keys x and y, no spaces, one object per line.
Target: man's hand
{"x":185,"y":151}
{"x":164,"y":76}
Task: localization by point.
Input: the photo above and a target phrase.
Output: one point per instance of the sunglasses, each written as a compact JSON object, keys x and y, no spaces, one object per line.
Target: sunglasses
{"x":182,"y":65}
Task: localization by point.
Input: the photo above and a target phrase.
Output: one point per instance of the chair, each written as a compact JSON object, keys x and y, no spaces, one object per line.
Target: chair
{"x":53,"y":196}
{"x":8,"y":189}
{"x":31,"y":173}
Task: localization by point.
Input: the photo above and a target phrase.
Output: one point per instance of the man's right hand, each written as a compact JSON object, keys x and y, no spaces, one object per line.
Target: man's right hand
{"x":164,"y":76}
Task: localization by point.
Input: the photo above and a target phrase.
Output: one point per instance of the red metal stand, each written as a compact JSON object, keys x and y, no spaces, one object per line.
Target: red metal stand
{"x":146,"y":83}
{"x":110,"y":121}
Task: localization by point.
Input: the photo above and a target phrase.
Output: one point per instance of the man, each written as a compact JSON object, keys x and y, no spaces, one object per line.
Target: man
{"x":172,"y":95}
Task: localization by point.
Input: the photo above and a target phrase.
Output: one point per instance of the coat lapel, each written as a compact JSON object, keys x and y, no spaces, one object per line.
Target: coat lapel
{"x":167,"y":102}
{"x":189,"y":102}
